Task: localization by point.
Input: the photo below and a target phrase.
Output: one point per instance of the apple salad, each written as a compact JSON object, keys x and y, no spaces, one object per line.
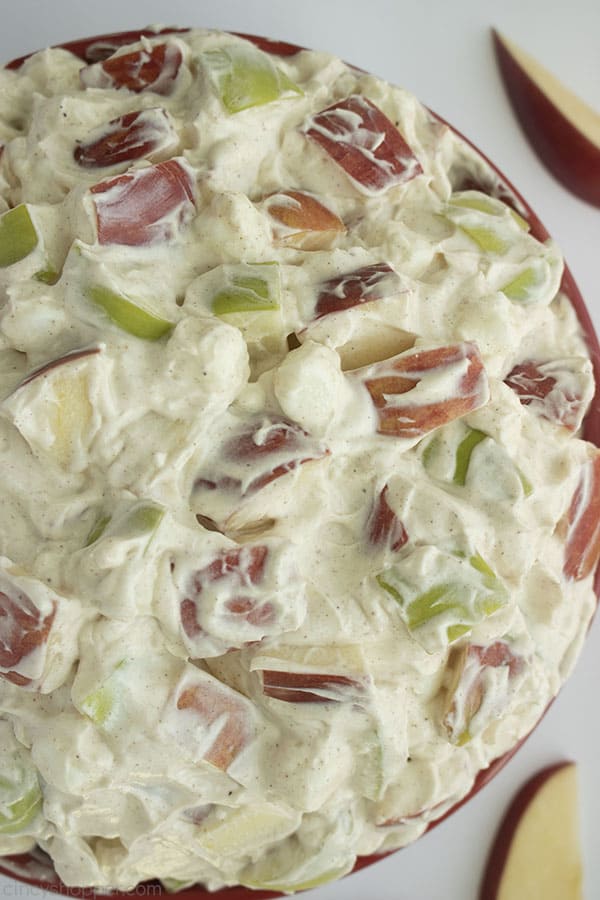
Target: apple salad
{"x":298,"y":528}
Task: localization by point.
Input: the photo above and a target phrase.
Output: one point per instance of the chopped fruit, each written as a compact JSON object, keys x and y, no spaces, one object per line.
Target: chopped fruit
{"x":23,"y":629}
{"x":302,"y":221}
{"x":144,"y":134}
{"x":464,"y":591}
{"x":47,"y":276}
{"x":391,"y":383}
{"x":465,"y":693}
{"x":97,"y":530}
{"x":559,"y":390}
{"x":61,"y":361}
{"x":248,"y":293}
{"x":247,"y":77}
{"x":582,"y":544}
{"x":18,"y":237}
{"x":224,"y":715}
{"x":353,"y":288}
{"x":145,"y":206}
{"x":277,"y":48}
{"x":362,"y":140}
{"x":129,"y":316}
{"x":245,"y":830}
{"x":154,"y":69}
{"x":490,"y":223}
{"x":99,"y":704}
{"x":537,"y":852}
{"x":463,"y":454}
{"x":100,"y":49}
{"x":488,"y":205}
{"x":310,"y":687}
{"x":20,"y":796}
{"x":384,"y":527}
{"x":525,"y":286}
{"x":562,"y":129}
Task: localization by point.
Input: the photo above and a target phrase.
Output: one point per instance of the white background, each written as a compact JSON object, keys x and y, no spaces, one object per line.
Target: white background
{"x":441,"y":50}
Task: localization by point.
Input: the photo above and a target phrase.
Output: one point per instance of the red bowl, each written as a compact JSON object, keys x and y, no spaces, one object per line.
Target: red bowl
{"x":35,"y":868}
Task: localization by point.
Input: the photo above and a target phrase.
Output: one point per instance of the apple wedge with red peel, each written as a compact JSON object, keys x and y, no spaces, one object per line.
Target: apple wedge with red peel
{"x":301,"y":221}
{"x":560,"y":390}
{"x":582,"y":544}
{"x":561,"y":128}
{"x":56,"y":363}
{"x":384,"y":528}
{"x":354,"y":288}
{"x":310,"y":687}
{"x":145,"y":206}
{"x":361,"y":139}
{"x":144,"y":134}
{"x":222,"y":710}
{"x":153,"y":69}
{"x":25,"y":629}
{"x":536,"y":852}
{"x":391,"y":382}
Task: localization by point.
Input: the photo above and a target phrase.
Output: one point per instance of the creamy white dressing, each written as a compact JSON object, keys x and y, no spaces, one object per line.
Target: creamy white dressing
{"x":230,"y":600}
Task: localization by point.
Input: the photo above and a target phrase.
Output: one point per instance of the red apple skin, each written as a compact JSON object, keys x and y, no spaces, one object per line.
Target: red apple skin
{"x":100,"y":47}
{"x":582,"y":549}
{"x":354,"y":288}
{"x":136,"y":135}
{"x":141,"y":70}
{"x":500,"y":848}
{"x":23,"y":629}
{"x":570,"y":156}
{"x":295,"y":687}
{"x":384,"y":528}
{"x":236,"y":732}
{"x":56,"y":363}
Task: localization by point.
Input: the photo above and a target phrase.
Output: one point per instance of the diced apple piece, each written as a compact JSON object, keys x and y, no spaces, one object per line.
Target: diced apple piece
{"x":97,"y":51}
{"x":354,"y":288}
{"x":129,"y":316}
{"x":384,"y":528}
{"x":224,"y":716}
{"x":21,"y":812}
{"x":99,"y":704}
{"x":582,"y":543}
{"x":525,"y":287}
{"x":536,"y":852}
{"x":20,"y":793}
{"x":145,"y":206}
{"x":561,"y":128}
{"x":148,"y":69}
{"x":560,"y":390}
{"x":491,"y":224}
{"x":18,"y":236}
{"x":464,"y":694}
{"x":406,"y":389}
{"x":245,"y":831}
{"x":144,"y":134}
{"x":463,"y":591}
{"x":361,"y":139}
{"x":24,"y":628}
{"x":463,"y":454}
{"x":247,"y":293}
{"x":247,"y":77}
{"x":310,"y":687}
{"x":302,"y":221}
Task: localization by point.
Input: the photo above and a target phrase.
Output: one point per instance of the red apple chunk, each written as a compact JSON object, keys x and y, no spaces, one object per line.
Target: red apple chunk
{"x":23,"y":628}
{"x":403,"y":414}
{"x":302,"y":221}
{"x":305,"y":687}
{"x":101,"y":49}
{"x":233,"y":573}
{"x":353,"y":288}
{"x":553,"y":389}
{"x":384,"y":527}
{"x":154,"y":69}
{"x":136,"y":135}
{"x":362,"y":140}
{"x":215,"y":705}
{"x":144,"y":206}
{"x":582,"y":546}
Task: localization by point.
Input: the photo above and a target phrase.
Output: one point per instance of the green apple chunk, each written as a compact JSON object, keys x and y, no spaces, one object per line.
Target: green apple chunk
{"x":20,"y":794}
{"x":247,"y":77}
{"x":248,"y":291}
{"x":460,"y":592}
{"x":18,"y":236}
{"x":129,"y":316}
{"x":531,"y":284}
{"x":245,"y":831}
{"x":491,"y":224}
{"x":463,"y":454}
{"x":99,"y":704}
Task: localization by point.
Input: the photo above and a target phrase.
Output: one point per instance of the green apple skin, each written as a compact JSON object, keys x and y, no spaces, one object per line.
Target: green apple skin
{"x":128,"y":316}
{"x":18,"y":237}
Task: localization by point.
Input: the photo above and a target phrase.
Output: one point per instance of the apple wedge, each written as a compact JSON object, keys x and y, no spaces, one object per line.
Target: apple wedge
{"x":582,"y":546}
{"x":384,"y":528}
{"x":536,"y":852}
{"x":354,"y":288}
{"x":144,"y":134}
{"x":301,"y":221}
{"x":561,"y":128}
{"x":559,"y":390}
{"x":25,"y":629}
{"x":154,"y":69}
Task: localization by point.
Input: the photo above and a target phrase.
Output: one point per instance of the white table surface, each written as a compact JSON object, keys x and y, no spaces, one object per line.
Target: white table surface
{"x":442,"y":52}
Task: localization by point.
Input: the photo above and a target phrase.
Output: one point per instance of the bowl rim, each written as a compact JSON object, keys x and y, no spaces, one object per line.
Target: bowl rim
{"x":93,"y":49}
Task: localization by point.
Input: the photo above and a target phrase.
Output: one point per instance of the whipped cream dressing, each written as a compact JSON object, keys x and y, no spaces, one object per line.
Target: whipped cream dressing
{"x":294,"y":541}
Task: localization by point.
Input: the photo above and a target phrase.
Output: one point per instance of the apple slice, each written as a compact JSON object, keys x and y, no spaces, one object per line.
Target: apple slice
{"x":145,"y":134}
{"x":384,"y":528}
{"x":129,"y":316}
{"x":310,"y":687}
{"x":224,"y":717}
{"x":563,"y":131}
{"x":361,"y":139}
{"x":560,"y":390}
{"x":582,"y":543}
{"x":245,"y":77}
{"x":301,"y":221}
{"x":24,"y":629}
{"x":148,"y":69}
{"x":18,"y":236}
{"x":536,"y":852}
{"x":248,"y":291}
{"x":407,"y":391}
{"x":244,"y":831}
{"x":145,"y":206}
{"x":354,"y":288}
